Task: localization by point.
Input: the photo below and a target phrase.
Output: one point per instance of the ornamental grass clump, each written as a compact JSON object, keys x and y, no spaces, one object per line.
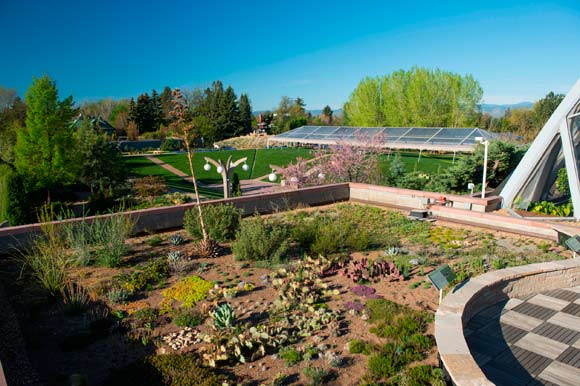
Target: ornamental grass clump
{"x":47,"y":259}
{"x":110,"y":233}
{"x":75,"y":299}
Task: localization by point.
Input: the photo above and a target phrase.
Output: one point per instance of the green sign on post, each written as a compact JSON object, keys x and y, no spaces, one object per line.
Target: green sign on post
{"x":441,"y":277}
{"x":574,"y":244}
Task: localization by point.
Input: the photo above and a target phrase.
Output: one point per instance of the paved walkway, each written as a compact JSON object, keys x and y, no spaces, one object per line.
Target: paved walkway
{"x":249,"y":187}
{"x":531,"y":341}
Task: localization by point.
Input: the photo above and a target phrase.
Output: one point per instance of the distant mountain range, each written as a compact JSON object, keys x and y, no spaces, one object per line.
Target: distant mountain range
{"x":492,"y":109}
{"x":499,"y":110}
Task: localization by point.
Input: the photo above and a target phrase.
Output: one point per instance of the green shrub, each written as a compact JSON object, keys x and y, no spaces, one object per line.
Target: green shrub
{"x":171,"y":144}
{"x":382,"y":365}
{"x":166,"y":370}
{"x":155,"y":270}
{"x":382,"y":310}
{"x":422,"y":375}
{"x":236,"y":186}
{"x":154,"y":241}
{"x":319,"y":375}
{"x":290,"y":355}
{"x":187,"y":317}
{"x":145,"y":317}
{"x":19,"y":203}
{"x":118,"y":295}
{"x":260,"y":241}
{"x":357,"y":346}
{"x":5,"y":175}
{"x":329,"y":239}
{"x":221,"y":221}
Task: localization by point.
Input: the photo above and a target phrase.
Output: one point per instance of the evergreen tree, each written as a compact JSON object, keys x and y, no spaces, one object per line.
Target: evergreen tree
{"x":44,"y":151}
{"x":132,"y":111}
{"x":327,"y":115}
{"x":397,"y":169}
{"x":156,"y":110}
{"x":245,"y":114}
{"x":297,"y":109}
{"x":229,"y":114}
{"x":100,"y":163}
{"x":166,"y":105}
{"x":236,"y":186}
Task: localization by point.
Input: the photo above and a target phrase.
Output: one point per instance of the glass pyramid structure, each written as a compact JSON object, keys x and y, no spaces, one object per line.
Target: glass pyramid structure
{"x":556,"y":147}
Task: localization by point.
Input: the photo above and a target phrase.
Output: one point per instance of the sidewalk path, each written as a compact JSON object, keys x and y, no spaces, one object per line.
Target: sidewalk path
{"x":167,"y":167}
{"x":249,"y":187}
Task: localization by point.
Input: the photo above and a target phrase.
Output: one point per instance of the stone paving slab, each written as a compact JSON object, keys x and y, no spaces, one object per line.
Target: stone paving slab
{"x":531,"y":341}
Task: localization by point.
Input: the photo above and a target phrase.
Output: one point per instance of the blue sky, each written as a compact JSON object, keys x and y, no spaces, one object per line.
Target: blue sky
{"x":318,"y":50}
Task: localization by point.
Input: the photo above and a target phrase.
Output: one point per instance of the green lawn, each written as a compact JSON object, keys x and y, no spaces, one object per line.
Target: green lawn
{"x":279,"y":157}
{"x":179,"y":161}
{"x":263,"y":158}
{"x":430,"y":164}
{"x":142,"y":167}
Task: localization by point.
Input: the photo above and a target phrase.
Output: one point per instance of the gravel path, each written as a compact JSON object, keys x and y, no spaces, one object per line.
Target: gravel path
{"x":15,"y":362}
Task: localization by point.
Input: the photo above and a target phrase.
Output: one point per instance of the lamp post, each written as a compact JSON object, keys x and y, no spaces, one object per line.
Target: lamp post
{"x":225,"y":170}
{"x":485,"y":143}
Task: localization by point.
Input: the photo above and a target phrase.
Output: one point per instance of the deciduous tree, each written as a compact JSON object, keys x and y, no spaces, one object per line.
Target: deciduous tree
{"x":418,"y":97}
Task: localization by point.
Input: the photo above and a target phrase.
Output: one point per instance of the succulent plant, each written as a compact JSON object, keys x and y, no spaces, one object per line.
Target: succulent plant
{"x":355,"y":306}
{"x":176,"y":239}
{"x":206,"y":248}
{"x":223,"y":317}
{"x":365,"y":291}
{"x":177,"y":262}
{"x":367,"y":270}
{"x":174,"y":256}
{"x":118,"y":295}
{"x":247,"y":346}
{"x":392,"y":251}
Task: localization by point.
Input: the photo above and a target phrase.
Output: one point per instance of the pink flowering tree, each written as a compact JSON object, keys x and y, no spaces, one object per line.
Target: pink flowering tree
{"x":301,"y":174}
{"x":343,"y":162}
{"x":353,"y":162}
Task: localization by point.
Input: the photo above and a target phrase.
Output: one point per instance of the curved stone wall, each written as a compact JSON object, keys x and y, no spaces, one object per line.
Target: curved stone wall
{"x":459,"y":306}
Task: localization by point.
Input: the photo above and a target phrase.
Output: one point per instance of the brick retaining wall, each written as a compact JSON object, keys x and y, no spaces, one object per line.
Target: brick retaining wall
{"x":463,"y":209}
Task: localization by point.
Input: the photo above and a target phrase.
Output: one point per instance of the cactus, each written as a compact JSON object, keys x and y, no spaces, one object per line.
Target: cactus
{"x":247,"y":346}
{"x":367,"y":270}
{"x":176,"y":239}
{"x":223,"y":317}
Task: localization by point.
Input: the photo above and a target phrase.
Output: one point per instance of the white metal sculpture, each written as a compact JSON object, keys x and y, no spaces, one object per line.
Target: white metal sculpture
{"x":556,"y":146}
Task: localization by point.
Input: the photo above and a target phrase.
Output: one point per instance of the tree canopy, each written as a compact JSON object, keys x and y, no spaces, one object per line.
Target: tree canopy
{"x":417,"y":97}
{"x":45,"y":151}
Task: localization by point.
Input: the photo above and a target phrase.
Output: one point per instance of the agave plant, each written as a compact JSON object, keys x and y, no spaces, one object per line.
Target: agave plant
{"x":223,"y":317}
{"x":176,"y":239}
{"x":174,"y":256}
{"x":177,"y":262}
{"x":392,"y":251}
